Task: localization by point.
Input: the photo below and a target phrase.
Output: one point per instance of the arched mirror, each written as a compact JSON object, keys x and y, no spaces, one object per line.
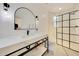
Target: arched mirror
{"x":25,"y":19}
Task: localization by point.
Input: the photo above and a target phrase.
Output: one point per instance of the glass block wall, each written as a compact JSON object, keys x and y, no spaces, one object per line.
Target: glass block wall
{"x":67,"y":30}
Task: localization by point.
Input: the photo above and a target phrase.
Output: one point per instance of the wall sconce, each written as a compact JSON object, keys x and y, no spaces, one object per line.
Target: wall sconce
{"x":6,"y":6}
{"x":37,"y":17}
{"x":37,"y":20}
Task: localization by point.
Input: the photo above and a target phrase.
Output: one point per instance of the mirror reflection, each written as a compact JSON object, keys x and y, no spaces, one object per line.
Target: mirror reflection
{"x":24,"y":19}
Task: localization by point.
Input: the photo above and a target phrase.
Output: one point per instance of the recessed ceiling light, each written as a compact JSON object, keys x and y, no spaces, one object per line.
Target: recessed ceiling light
{"x":59,"y":8}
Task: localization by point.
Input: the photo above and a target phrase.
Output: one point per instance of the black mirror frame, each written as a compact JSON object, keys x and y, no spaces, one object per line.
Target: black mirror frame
{"x":29,"y":11}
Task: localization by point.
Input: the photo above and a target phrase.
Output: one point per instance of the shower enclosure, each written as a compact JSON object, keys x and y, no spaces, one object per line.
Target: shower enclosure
{"x":67,"y":30}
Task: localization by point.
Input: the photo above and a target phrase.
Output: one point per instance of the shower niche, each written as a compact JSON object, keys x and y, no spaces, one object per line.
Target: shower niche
{"x":67,"y":30}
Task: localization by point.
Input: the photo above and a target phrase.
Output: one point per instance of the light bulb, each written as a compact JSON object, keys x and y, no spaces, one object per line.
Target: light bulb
{"x":59,"y":8}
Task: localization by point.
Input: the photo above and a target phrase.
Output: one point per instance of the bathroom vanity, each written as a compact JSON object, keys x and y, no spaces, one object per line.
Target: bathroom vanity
{"x":32,"y":45}
{"x":27,"y":43}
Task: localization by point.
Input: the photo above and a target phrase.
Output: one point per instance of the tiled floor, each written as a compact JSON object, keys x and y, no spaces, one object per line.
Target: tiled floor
{"x":57,"y":50}
{"x":62,"y":51}
{"x":51,"y":53}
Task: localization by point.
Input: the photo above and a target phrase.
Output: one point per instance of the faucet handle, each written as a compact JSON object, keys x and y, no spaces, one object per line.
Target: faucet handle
{"x":27,"y":32}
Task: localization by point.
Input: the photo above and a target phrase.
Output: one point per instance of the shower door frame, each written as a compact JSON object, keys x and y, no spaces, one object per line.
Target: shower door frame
{"x":69,"y":41}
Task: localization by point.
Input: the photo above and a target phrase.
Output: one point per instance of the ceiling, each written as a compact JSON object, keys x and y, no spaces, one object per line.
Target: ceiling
{"x":49,"y":7}
{"x":54,"y":7}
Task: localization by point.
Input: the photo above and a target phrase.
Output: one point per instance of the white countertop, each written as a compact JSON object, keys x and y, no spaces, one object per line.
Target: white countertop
{"x":5,"y":42}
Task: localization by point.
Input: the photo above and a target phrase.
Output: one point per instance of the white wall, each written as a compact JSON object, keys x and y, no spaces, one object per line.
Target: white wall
{"x":52,"y":28}
{"x":45,"y":20}
{"x":7,"y":21}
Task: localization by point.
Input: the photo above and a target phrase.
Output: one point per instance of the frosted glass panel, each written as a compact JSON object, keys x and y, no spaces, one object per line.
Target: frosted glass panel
{"x":59,"y":30}
{"x":65,"y":30}
{"x":59,"y":41}
{"x":74,"y":15}
{"x":65,"y":36}
{"x":59,"y":35}
{"x":66,"y":43}
{"x":74,"y":30}
{"x":66,"y":23}
{"x":74,"y":38}
{"x":75,"y":22}
{"x":66,"y":17}
{"x":74,"y":46}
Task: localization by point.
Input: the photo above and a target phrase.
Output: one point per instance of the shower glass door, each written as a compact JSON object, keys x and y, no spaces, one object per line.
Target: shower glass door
{"x":67,"y":30}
